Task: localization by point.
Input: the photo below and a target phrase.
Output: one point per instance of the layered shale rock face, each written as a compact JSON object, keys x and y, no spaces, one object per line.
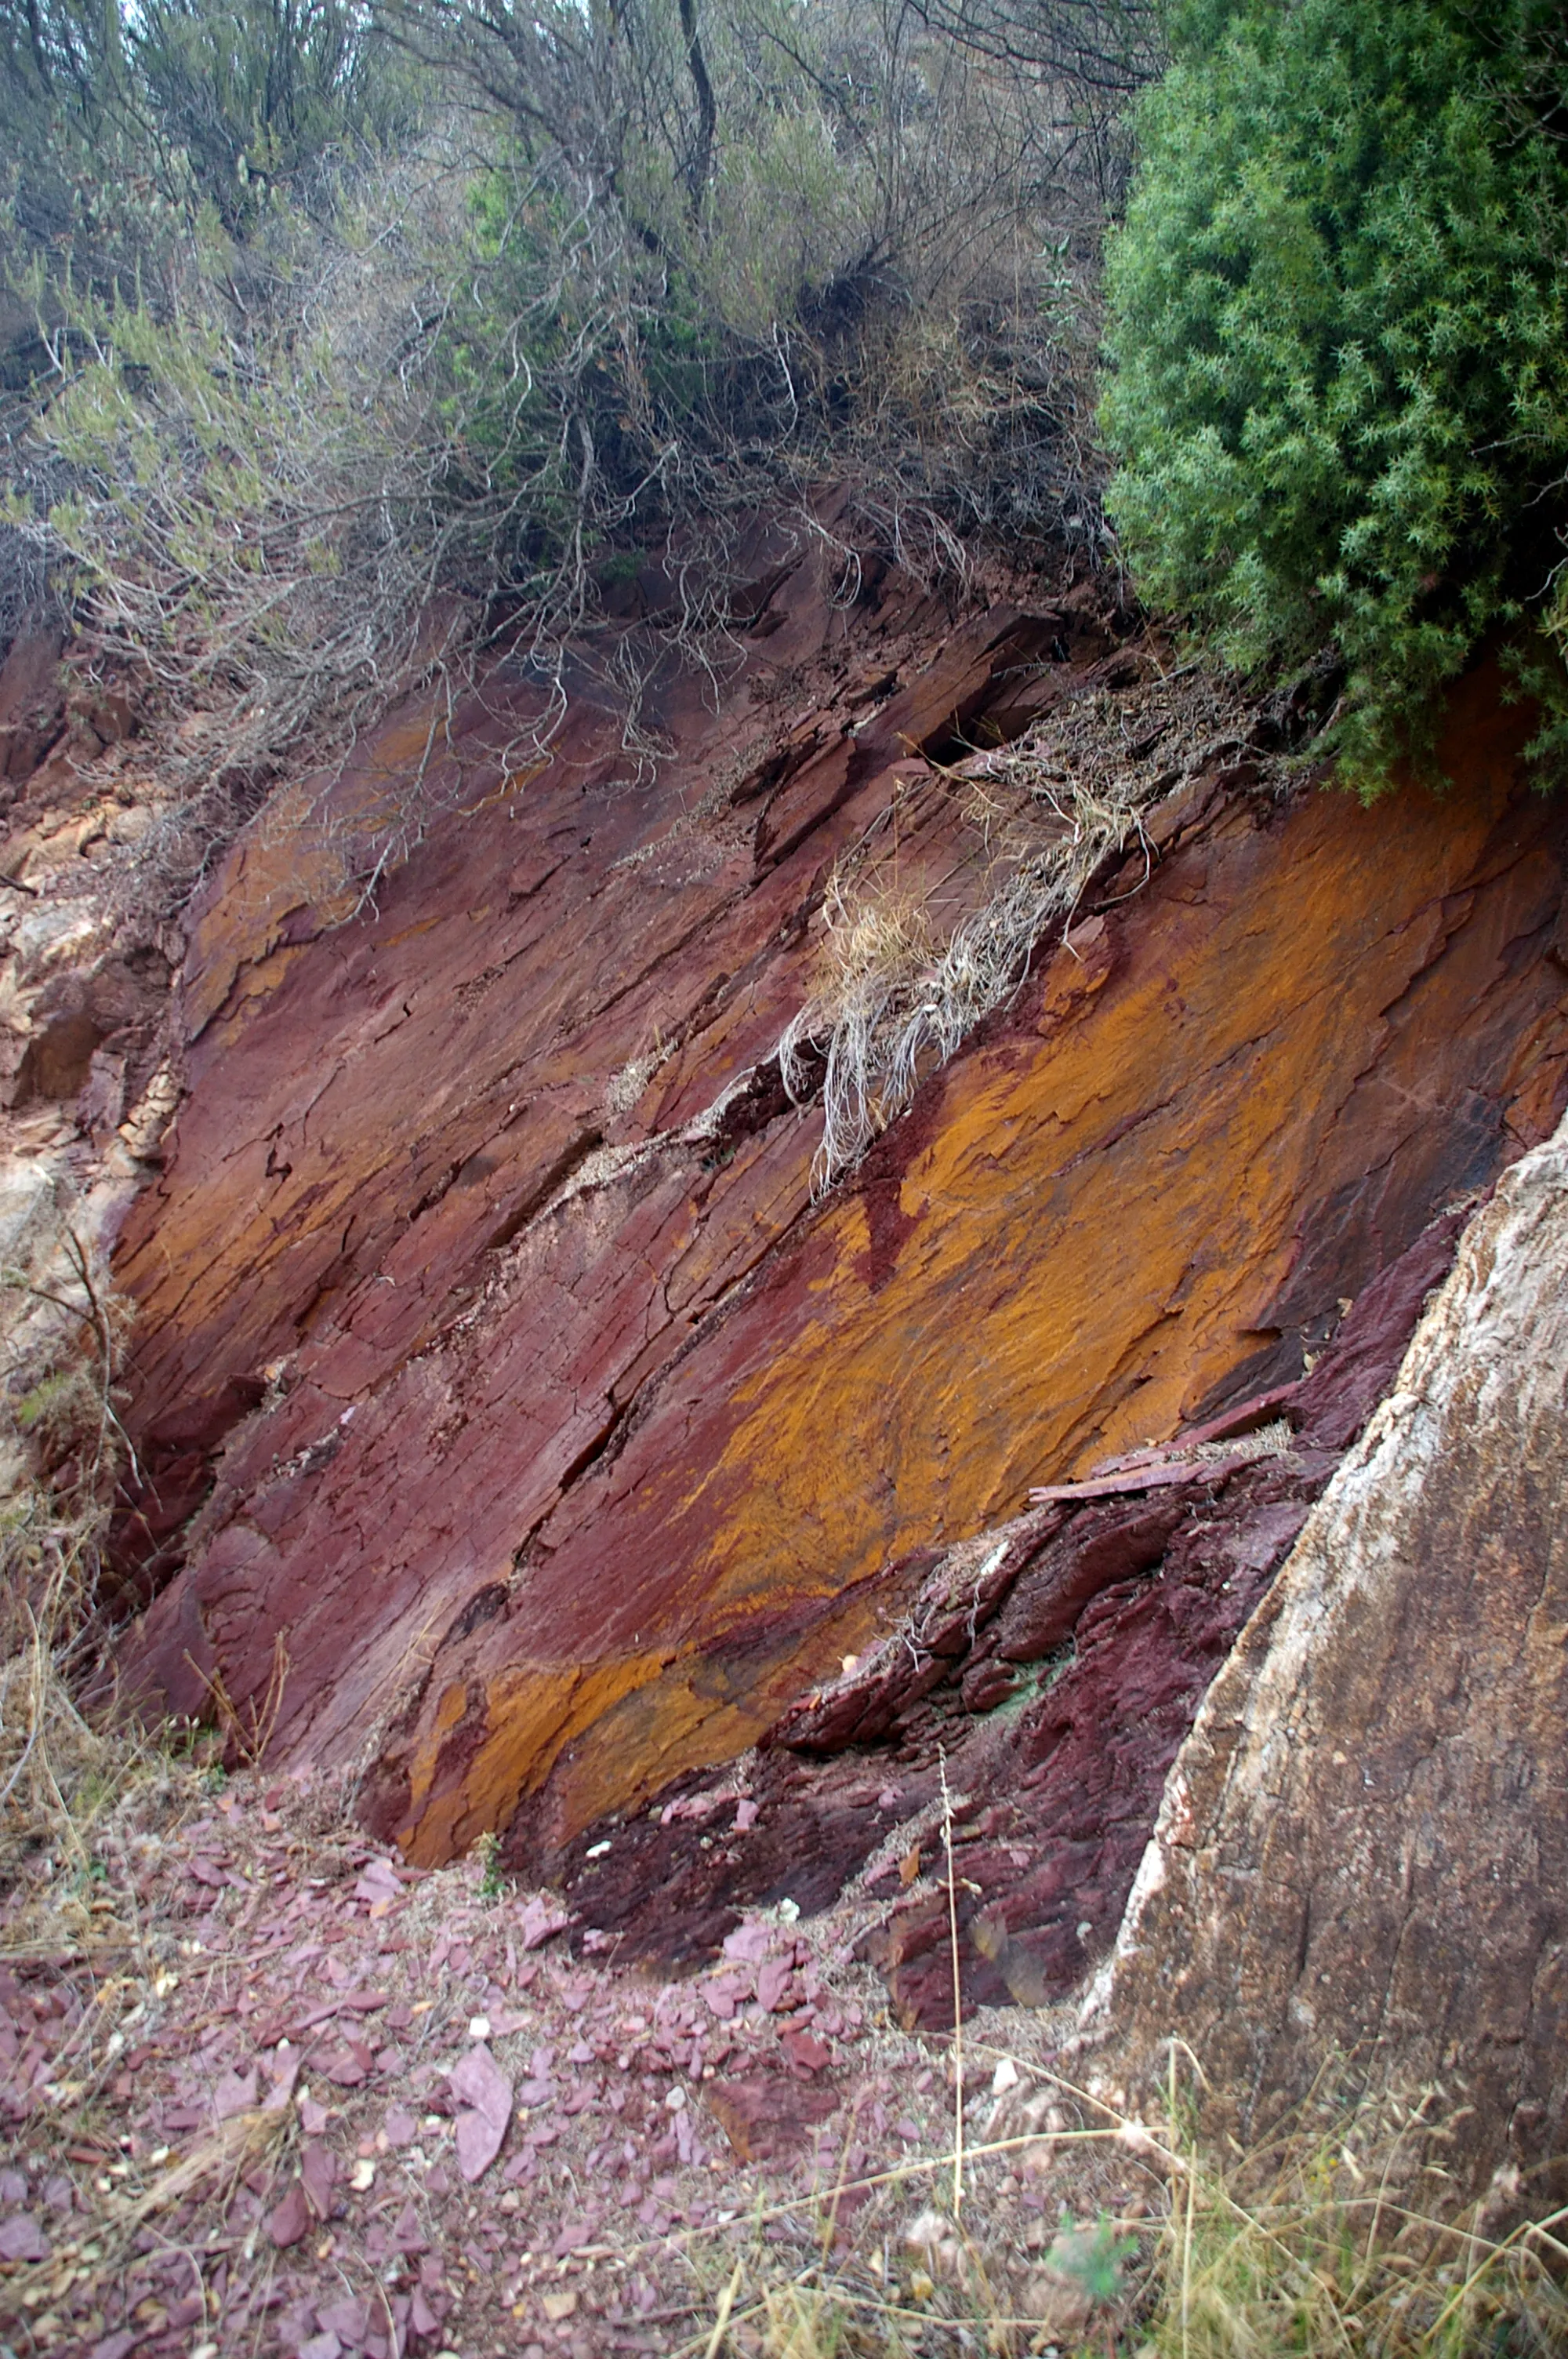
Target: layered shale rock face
{"x":84,"y":966}
{"x":545,"y":1444}
{"x":1364,"y":1848}
{"x":1031,"y":1701}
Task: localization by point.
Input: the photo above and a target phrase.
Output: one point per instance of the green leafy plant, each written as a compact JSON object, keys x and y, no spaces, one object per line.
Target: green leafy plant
{"x":1094,"y":2258}
{"x":1338,"y":330}
{"x":491,"y":1883}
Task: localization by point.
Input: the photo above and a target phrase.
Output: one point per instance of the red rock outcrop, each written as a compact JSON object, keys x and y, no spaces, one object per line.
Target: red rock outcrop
{"x":1361,"y":1853}
{"x":1099,"y":1620}
{"x":85,"y":968}
{"x":553,"y":1442}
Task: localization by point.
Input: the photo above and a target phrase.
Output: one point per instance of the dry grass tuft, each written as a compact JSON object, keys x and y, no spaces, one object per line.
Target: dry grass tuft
{"x":58,"y":1771}
{"x":895,"y":1000}
{"x":898,"y":993}
{"x":1340,"y":2234}
{"x":876,"y":974}
{"x":253,"y":2142}
{"x":1332,"y":2237}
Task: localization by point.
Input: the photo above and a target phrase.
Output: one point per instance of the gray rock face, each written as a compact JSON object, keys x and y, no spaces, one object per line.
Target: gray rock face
{"x":1363,"y":1845}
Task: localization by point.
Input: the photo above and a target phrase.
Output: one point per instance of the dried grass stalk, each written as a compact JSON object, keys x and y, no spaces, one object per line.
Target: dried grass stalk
{"x":896,"y":996}
{"x":64,"y":1762}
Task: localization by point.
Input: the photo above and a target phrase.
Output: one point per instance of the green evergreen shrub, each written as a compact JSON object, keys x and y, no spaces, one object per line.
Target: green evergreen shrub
{"x":1337,"y":337}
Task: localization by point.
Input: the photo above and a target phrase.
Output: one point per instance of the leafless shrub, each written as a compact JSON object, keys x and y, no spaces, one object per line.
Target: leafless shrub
{"x":62,"y":1764}
{"x":242,"y":501}
{"x":652,"y":275}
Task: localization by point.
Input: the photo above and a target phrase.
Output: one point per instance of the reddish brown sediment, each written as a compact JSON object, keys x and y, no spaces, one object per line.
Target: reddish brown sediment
{"x":558,"y":1447}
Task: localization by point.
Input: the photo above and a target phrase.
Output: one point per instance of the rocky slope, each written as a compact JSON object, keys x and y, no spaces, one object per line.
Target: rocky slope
{"x":521,"y":1435}
{"x":545,"y":1441}
{"x":411,"y":2124}
{"x":1033,"y":1700}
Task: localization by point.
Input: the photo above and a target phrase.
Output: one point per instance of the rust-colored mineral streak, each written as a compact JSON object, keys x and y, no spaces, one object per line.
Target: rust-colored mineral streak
{"x":554,"y":1440}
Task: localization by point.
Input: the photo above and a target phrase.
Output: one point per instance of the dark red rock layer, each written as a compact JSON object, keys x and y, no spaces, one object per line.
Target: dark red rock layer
{"x":554,"y":1442}
{"x":436,"y":1214}
{"x":1098,"y":1624}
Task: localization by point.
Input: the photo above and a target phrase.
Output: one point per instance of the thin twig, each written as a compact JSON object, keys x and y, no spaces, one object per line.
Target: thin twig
{"x":958,"y":1994}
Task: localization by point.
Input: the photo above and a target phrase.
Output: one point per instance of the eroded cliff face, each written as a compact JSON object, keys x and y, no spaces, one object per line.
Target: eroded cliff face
{"x":1032,"y":1700}
{"x":85,"y":961}
{"x":546,"y":1442}
{"x":85,"y":967}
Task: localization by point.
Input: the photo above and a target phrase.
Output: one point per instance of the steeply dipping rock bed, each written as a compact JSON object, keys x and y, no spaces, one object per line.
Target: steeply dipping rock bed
{"x":1031,"y":1701}
{"x":544,"y":1443}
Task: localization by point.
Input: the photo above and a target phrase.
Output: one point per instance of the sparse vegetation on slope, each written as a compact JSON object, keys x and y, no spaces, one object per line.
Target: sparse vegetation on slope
{"x":346,"y":348}
{"x":904,"y":980}
{"x":63,"y":1764}
{"x":1331,"y":2237}
{"x":334,"y":391}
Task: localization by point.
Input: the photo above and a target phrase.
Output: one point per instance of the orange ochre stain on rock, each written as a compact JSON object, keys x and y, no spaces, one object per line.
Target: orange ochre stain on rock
{"x":522,"y":1722}
{"x":645,"y":1468}
{"x":1099,"y":1223}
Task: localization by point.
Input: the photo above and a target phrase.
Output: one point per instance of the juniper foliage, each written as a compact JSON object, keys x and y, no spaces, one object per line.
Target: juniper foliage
{"x":1338,"y":342}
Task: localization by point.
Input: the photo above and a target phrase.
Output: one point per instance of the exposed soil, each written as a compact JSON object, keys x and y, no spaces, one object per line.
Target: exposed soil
{"x":281,"y":2093}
